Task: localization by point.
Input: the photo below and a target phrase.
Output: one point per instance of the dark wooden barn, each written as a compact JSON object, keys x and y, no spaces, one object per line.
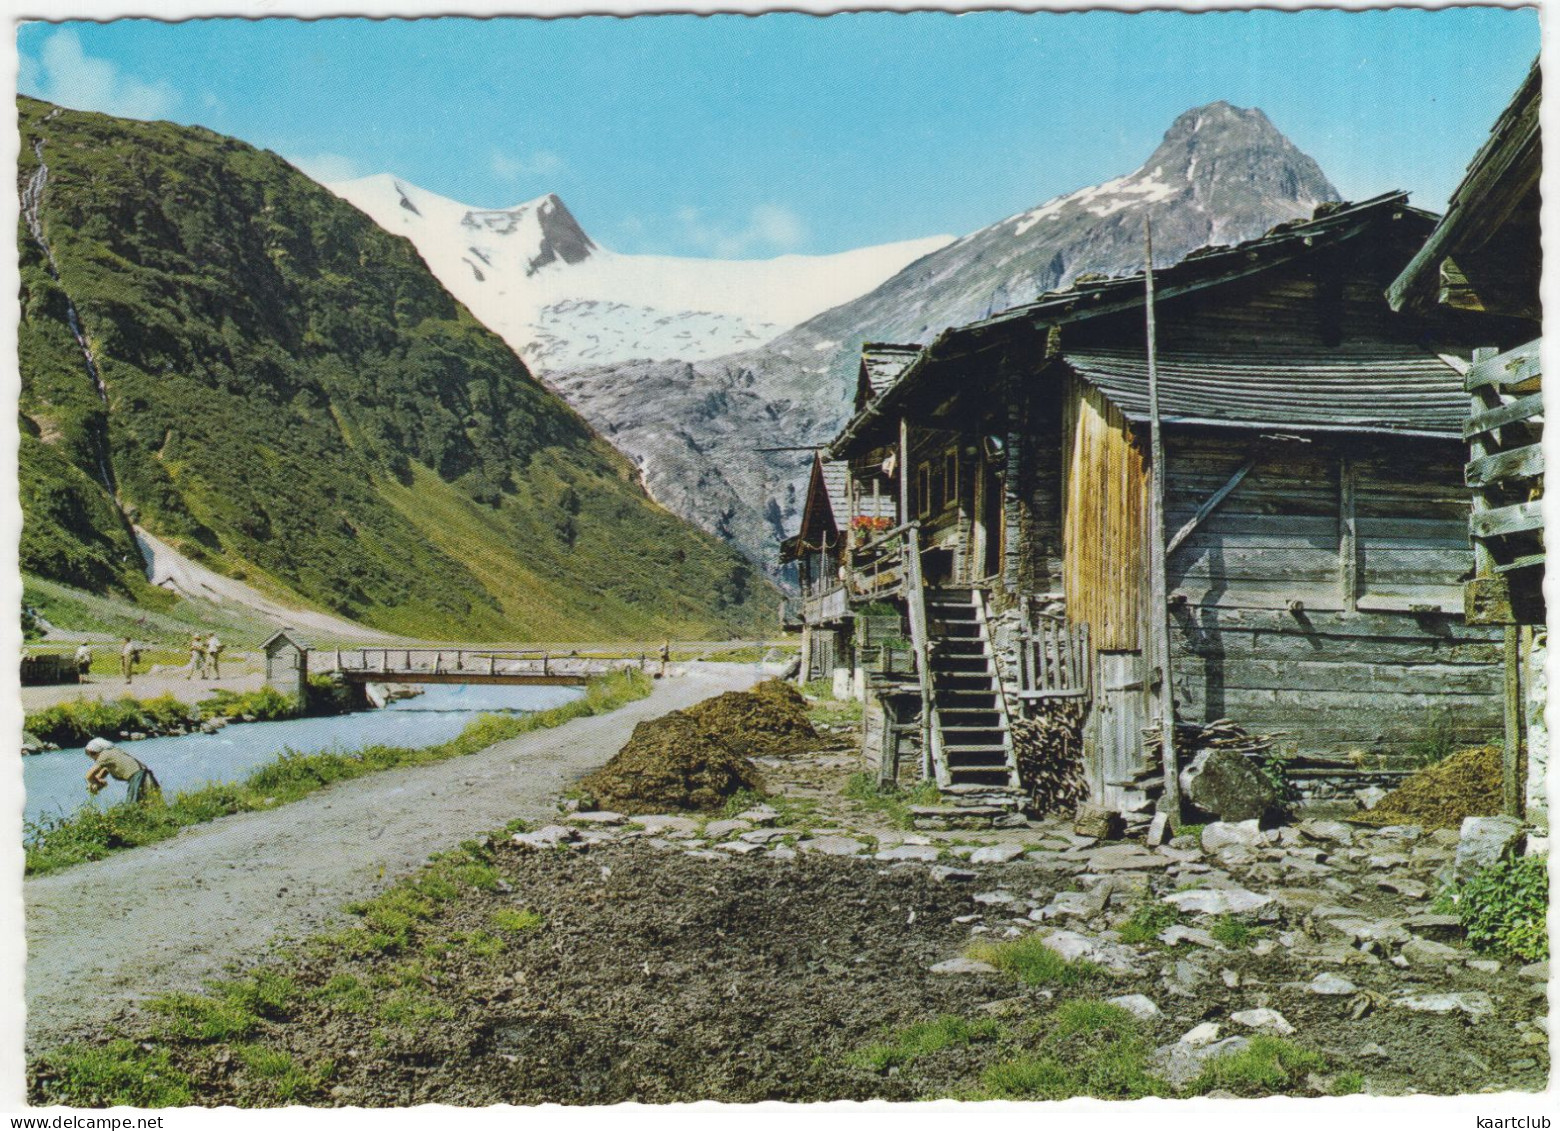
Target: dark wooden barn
{"x":1315,"y":542}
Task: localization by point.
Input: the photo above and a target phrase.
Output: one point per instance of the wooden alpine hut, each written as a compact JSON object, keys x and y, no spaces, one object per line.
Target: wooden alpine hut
{"x":1292,"y":562}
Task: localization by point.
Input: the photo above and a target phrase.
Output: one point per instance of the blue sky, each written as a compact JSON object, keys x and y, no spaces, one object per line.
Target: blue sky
{"x":737,"y":135}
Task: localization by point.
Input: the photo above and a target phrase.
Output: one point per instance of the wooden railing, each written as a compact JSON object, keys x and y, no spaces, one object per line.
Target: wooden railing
{"x":877,"y":568}
{"x":932,"y":764}
{"x":1053,"y":658}
{"x":408,"y":664}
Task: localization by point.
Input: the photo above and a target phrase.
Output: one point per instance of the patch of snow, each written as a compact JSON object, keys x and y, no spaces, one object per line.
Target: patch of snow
{"x":730,"y":304}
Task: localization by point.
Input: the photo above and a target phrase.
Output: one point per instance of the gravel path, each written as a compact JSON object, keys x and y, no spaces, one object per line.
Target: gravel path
{"x":104,"y":935}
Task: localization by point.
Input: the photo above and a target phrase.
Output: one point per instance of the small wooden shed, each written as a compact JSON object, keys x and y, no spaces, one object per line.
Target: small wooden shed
{"x":287,"y":664}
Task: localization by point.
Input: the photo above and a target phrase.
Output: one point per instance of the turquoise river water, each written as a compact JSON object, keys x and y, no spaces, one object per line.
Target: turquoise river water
{"x":56,"y":784}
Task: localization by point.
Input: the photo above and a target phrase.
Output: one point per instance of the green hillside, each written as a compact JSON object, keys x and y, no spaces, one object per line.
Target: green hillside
{"x":284,"y":392}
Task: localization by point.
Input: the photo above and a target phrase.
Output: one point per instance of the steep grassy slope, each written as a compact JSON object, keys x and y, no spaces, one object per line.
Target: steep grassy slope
{"x":270,"y":382}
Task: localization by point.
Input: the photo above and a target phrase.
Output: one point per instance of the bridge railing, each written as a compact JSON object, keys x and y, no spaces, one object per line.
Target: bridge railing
{"x":393,"y":662}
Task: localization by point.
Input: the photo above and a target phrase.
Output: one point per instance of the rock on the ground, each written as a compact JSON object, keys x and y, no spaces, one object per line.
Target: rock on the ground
{"x":924,"y":853}
{"x":1409,"y":889}
{"x":1327,"y":830}
{"x":1427,"y":952}
{"x":1370,"y":797}
{"x":1267,"y":1020}
{"x":599,"y":817}
{"x":1124,"y":858}
{"x":1074,"y":946}
{"x":1535,"y":971}
{"x":1483,"y":841}
{"x":1178,"y":933}
{"x":1222,"y":834}
{"x":1226,"y":784}
{"x":1219,"y":901}
{"x":549,"y":836}
{"x":832,"y":845}
{"x":1331,"y":985}
{"x":1472,"y":1002}
{"x":963,"y":966}
{"x":1178,"y":1064}
{"x":1096,"y":821}
{"x":942,"y":874}
{"x":1140,"y":1006}
{"x":996,"y":853}
{"x":1200,"y":1035}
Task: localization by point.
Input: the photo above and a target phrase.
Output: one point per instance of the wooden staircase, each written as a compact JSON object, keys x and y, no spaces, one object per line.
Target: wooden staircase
{"x":971,"y":742}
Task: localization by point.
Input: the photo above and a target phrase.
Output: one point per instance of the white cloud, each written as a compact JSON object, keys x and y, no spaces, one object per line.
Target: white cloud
{"x":508,"y":167}
{"x":769,"y":229}
{"x":66,"y":74}
{"x":326,"y":167}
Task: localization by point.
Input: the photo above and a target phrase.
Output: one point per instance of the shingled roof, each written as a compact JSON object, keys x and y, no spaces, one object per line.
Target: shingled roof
{"x":1402,"y":390}
{"x":881,"y":365}
{"x":1384,"y":388}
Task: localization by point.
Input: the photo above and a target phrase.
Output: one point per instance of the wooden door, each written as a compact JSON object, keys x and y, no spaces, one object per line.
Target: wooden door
{"x":1113,"y":749}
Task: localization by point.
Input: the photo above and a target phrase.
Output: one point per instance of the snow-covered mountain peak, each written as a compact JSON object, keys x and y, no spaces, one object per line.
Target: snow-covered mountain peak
{"x":533,"y":275}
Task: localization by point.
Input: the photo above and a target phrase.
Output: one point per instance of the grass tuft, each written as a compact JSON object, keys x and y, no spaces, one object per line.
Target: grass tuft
{"x":904,"y":1045}
{"x":517,"y":922}
{"x":1086,"y":1048}
{"x":1147,"y":920}
{"x":118,"y":1074}
{"x":892,"y":802}
{"x":1267,"y":1065}
{"x":1033,"y":962}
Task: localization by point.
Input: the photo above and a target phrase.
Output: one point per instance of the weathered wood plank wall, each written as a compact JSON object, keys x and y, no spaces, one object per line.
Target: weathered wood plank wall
{"x":1103,"y":467}
{"x":1375,"y":656}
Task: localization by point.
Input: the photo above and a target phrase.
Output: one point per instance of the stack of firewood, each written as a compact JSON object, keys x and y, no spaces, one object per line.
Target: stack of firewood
{"x":1049,"y":752}
{"x":1221,"y":734}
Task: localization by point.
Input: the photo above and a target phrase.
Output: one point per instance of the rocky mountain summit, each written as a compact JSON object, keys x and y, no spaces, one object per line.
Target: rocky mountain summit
{"x":704,"y":432}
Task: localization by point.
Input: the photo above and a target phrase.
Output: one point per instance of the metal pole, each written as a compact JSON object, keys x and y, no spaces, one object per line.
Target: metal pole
{"x":1159,"y":605}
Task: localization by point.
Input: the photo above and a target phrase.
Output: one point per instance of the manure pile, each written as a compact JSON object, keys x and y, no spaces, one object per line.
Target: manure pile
{"x":697,"y":758}
{"x":1467,"y":784}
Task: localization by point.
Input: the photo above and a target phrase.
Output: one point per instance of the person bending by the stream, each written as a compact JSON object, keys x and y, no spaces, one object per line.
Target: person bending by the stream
{"x":109,"y":761}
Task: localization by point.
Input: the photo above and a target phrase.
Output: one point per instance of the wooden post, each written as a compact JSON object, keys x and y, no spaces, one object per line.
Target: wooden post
{"x":1511,"y":762}
{"x":1348,"y":537}
{"x":1159,"y":607}
{"x":302,"y":690}
{"x":904,"y":471}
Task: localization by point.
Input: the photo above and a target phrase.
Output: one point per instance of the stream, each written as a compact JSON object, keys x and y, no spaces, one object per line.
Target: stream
{"x":55,"y":781}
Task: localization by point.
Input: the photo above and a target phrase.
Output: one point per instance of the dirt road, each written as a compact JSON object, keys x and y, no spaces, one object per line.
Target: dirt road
{"x":104,"y":935}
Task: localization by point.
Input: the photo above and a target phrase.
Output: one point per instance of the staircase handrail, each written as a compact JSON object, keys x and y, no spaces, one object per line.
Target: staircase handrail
{"x":915,"y":600}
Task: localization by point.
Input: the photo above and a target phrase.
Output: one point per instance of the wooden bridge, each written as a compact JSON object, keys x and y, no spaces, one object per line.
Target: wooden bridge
{"x":467,"y":665}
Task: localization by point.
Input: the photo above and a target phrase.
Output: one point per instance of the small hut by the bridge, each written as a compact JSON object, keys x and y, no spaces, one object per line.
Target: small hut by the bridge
{"x":287,"y":664}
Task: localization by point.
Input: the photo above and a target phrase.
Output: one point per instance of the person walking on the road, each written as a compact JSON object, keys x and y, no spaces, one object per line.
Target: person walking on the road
{"x":108,"y":761}
{"x":214,"y":656}
{"x":666,"y":656}
{"x":197,"y":659}
{"x":129,"y":656}
{"x":83,"y":662}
